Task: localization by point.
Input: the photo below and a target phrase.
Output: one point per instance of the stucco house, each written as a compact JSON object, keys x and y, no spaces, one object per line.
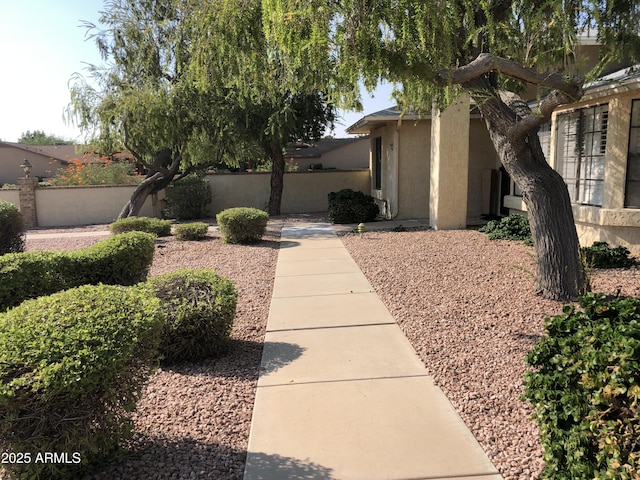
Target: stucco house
{"x":446,"y":170}
{"x":46,"y":160}
{"x":331,"y":153}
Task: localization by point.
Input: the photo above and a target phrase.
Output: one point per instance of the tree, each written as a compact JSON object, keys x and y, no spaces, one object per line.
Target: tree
{"x":232,"y":53}
{"x":491,"y":49}
{"x":145,"y":101}
{"x":38,"y":137}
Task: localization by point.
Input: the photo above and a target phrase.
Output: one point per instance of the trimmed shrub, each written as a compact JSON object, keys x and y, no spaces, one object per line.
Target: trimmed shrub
{"x":123,"y":259}
{"x":513,"y":227}
{"x":242,"y":224}
{"x":72,"y":366}
{"x":586,"y":389}
{"x":350,"y":206}
{"x":199,"y":307}
{"x":601,"y":255}
{"x":188,"y":198}
{"x":191,"y":231}
{"x":161,"y":228}
{"x":11,"y":228}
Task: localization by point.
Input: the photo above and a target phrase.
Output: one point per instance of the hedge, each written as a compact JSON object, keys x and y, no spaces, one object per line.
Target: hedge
{"x":161,"y":228}
{"x":199,"y":307}
{"x":242,"y":224}
{"x":11,"y":228}
{"x":72,"y":366}
{"x":122,"y":259}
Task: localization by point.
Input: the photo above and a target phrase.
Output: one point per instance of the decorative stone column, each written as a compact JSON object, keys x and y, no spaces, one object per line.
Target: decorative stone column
{"x":27,"y":196}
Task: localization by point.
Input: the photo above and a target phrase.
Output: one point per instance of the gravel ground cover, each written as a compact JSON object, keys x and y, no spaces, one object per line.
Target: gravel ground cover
{"x":468,"y":307}
{"x":465,"y":303}
{"x":193,"y":419}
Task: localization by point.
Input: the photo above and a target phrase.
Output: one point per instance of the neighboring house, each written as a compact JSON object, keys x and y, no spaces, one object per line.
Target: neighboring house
{"x":452,"y":188}
{"x":46,"y":160}
{"x":595,"y":145}
{"x":330,"y":153}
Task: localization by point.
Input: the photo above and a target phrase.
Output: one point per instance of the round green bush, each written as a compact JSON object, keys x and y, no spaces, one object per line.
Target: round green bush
{"x":187,"y":198}
{"x":123,"y":259}
{"x":156,"y":226}
{"x":199,"y":307}
{"x":242,"y":224}
{"x":351,"y":206}
{"x":513,"y":227}
{"x":72,"y":366}
{"x":191,"y":231}
{"x":11,"y":228}
{"x":601,"y":255}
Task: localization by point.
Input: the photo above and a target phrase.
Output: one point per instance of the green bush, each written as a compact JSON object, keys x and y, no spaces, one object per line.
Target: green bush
{"x":123,"y":259}
{"x":188,"y":198}
{"x":242,"y":225}
{"x":586,"y":389}
{"x":601,"y":255}
{"x":72,"y":366}
{"x":199,"y":307}
{"x":350,"y":206}
{"x":191,"y":231}
{"x":513,"y":227}
{"x":11,"y":228}
{"x":161,"y":228}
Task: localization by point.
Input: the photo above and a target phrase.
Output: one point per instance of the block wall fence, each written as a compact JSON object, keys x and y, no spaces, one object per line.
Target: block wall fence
{"x":304,"y":192}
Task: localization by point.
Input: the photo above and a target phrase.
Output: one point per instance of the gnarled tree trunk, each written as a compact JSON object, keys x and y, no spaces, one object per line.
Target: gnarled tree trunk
{"x":274,"y":151}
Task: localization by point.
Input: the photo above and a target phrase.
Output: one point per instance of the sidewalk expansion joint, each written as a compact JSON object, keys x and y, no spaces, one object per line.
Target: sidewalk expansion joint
{"x":469,"y":476}
{"x":324,"y":294}
{"x":326,"y":327}
{"x":315,"y":274}
{"x":293,"y":383}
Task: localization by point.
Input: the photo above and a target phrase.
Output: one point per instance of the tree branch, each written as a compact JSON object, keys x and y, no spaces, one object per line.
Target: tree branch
{"x":547,"y":106}
{"x":486,"y":62}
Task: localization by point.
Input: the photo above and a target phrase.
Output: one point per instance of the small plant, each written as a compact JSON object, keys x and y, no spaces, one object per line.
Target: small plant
{"x":199,"y":307}
{"x":156,"y":226}
{"x":586,"y":389}
{"x":101,"y":172}
{"x":601,"y":255}
{"x":72,"y":366}
{"x":123,"y":259}
{"x":350,"y":206}
{"x":11,"y":228}
{"x":188,"y":198}
{"x":191,"y":231}
{"x":513,"y":227}
{"x":242,"y":224}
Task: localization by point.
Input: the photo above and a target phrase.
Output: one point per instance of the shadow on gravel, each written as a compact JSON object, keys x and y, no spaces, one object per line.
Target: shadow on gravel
{"x":158,"y":459}
{"x":262,"y":466}
{"x":241,"y":361}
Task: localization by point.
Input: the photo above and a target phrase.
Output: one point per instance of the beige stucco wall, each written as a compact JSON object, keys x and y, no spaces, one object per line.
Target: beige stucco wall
{"x":57,"y":206}
{"x":413,"y":146}
{"x":303,"y":192}
{"x":11,"y":196}
{"x":352,"y":156}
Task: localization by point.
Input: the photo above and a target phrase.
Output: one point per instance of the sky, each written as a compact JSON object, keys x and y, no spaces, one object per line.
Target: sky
{"x":42,"y":45}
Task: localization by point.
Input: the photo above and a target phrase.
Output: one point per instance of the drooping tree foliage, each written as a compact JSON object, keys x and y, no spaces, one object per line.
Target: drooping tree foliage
{"x":492,"y":49}
{"x":232,"y":52}
{"x":173,"y":95}
{"x":143,"y":99}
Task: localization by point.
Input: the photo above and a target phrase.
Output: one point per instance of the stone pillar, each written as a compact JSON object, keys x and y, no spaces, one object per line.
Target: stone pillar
{"x":27,"y":196}
{"x":449,"y":166}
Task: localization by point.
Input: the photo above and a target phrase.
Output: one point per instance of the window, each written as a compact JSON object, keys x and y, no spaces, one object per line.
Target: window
{"x":378,"y":164}
{"x":580,"y":153}
{"x":632,"y":192}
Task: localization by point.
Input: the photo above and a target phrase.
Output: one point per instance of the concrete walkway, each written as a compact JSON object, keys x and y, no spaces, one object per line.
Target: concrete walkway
{"x":342,"y":394}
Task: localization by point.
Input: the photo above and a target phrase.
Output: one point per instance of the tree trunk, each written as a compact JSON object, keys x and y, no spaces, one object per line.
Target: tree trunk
{"x":160,"y":175}
{"x":560,"y":273}
{"x":274,"y":151}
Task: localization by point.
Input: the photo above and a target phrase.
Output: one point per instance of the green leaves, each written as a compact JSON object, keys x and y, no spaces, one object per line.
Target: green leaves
{"x":585,"y":389}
